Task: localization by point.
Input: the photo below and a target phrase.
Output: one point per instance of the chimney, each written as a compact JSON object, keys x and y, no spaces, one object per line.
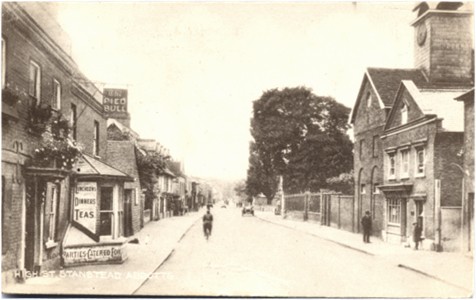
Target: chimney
{"x":444,"y":41}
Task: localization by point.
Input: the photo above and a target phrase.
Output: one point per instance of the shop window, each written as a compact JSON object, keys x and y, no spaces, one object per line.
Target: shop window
{"x":391,"y":165}
{"x":394,"y":214}
{"x":420,"y":162}
{"x":73,"y":119}
{"x":111,"y":212}
{"x":51,"y":213}
{"x":56,"y":94}
{"x":35,"y":81}
{"x":106,"y":211}
{"x":404,"y":159}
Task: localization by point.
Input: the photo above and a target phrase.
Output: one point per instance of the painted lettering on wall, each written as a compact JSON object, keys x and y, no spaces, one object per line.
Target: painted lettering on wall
{"x":85,"y":204}
{"x":115,"y":102}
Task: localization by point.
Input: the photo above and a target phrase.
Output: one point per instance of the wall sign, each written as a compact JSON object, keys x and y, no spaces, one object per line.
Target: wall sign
{"x":85,"y":205}
{"x":93,"y":253}
{"x":115,"y":102}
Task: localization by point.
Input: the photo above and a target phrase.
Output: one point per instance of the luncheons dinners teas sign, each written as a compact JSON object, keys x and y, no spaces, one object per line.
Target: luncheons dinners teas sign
{"x":115,"y":102}
{"x":85,"y":205}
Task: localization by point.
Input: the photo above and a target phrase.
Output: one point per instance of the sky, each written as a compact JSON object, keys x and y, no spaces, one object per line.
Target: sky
{"x":193,"y":69}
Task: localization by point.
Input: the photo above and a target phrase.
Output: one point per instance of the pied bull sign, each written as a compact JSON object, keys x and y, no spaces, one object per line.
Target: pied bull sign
{"x":115,"y":102}
{"x":85,"y":205}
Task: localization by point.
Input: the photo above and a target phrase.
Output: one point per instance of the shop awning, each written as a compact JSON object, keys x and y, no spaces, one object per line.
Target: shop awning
{"x":90,"y":167}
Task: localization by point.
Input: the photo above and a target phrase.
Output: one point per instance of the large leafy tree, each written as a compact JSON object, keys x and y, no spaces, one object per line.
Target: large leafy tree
{"x":298,"y":135}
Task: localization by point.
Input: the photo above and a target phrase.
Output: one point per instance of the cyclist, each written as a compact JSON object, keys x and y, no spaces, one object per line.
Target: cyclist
{"x":207,"y":223}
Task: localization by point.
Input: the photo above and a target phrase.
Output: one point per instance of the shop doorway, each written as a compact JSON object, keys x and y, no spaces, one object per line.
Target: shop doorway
{"x":128,"y":212}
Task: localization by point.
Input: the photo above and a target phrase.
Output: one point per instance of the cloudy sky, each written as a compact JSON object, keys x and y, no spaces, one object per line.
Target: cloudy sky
{"x":194,"y":69}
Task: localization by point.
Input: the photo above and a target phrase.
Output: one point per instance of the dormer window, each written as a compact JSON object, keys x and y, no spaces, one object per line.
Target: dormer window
{"x":404,"y":112}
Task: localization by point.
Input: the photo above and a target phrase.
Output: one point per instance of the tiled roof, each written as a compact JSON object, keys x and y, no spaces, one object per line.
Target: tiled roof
{"x":88,"y":166}
{"x":387,"y":81}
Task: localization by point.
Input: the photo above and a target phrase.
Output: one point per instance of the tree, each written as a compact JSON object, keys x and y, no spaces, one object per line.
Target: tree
{"x":344,"y":183}
{"x":298,"y":135}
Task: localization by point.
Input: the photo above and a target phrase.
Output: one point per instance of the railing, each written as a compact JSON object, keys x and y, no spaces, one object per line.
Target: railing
{"x":326,"y":208}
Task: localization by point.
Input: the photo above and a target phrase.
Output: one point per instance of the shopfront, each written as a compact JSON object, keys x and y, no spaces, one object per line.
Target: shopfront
{"x":97,"y":231}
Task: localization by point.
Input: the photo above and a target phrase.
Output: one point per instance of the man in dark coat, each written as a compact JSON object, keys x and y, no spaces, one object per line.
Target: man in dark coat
{"x":366,"y":226}
{"x":417,"y":230}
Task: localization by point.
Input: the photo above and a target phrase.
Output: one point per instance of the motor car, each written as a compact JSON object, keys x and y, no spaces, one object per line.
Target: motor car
{"x":248,"y":209}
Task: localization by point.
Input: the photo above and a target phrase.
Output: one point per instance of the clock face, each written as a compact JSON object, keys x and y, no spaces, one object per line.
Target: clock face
{"x":421,"y":34}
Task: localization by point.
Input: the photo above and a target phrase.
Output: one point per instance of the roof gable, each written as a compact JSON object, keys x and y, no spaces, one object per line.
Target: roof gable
{"x":428,"y":103}
{"x":385,"y":83}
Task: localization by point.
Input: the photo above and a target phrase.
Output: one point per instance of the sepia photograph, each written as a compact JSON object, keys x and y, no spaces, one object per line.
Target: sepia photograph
{"x":238,"y":149}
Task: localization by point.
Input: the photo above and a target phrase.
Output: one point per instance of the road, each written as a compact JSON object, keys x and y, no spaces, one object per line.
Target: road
{"x":246,"y":256}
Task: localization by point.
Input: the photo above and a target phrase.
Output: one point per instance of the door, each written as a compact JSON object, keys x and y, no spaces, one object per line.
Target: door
{"x":33,"y":191}
{"x":127,"y":212}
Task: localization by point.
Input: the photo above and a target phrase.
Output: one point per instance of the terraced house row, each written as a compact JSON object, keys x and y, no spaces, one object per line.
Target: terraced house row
{"x":414,"y":136}
{"x":77,"y":181}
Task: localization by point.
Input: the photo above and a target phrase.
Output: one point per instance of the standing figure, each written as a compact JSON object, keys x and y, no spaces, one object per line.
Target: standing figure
{"x":207,"y":224}
{"x":417,"y":230}
{"x":366,"y":226}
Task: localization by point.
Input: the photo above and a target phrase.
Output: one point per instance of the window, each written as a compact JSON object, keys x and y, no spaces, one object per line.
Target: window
{"x":362,"y":188}
{"x":106,"y":211}
{"x":404,"y":112}
{"x":96,"y":138}
{"x":404,"y":158}
{"x":4,"y":61}
{"x":73,"y":120}
{"x":51,"y":208}
{"x":35,"y":81}
{"x":369,"y":99}
{"x":375,"y":190}
{"x":391,"y":165}
{"x":375,"y":146}
{"x":394,"y":211}
{"x":56,"y":94}
{"x":361,"y":148}
{"x":420,"y":162}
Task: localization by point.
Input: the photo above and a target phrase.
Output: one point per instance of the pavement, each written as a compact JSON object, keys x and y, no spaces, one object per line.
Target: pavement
{"x":156,"y":242}
{"x":455,"y":269}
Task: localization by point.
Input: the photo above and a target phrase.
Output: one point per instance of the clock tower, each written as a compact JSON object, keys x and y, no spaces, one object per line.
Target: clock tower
{"x":444,"y":41}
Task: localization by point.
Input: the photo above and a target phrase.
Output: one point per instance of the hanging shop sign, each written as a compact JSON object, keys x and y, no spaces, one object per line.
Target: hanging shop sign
{"x":115,"y":102}
{"x":85,"y":205}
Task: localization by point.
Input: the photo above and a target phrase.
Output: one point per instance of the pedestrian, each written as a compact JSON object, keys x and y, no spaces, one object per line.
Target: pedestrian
{"x":417,"y":230}
{"x":366,"y":226}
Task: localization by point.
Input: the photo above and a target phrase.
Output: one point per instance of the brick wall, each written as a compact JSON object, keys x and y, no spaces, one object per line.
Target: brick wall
{"x":368,"y":162}
{"x":448,"y":146}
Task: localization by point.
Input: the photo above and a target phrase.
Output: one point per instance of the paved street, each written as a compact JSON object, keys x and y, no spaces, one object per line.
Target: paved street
{"x":249,"y":257}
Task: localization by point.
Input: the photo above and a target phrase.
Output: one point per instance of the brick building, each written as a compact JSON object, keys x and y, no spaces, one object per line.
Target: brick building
{"x":53,"y":145}
{"x":468,"y":169}
{"x":408,"y":132}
